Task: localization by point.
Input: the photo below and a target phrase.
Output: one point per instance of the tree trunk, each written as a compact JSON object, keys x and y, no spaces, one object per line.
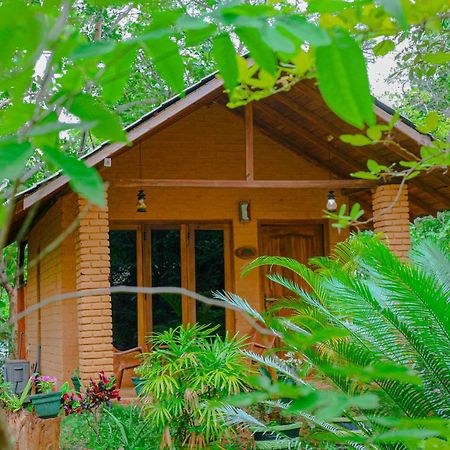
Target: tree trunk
{"x":29,"y":432}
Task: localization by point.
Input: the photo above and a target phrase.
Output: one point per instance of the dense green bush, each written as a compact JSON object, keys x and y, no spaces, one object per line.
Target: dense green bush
{"x":429,"y":227}
{"x":375,"y":333}
{"x":187,"y":369}
{"x":121,"y":428}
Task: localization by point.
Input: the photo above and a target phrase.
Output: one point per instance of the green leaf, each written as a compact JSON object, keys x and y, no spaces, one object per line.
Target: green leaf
{"x":364,"y":175}
{"x":92,"y":49}
{"x":303,"y":62}
{"x":405,"y":435}
{"x":373,"y":166}
{"x":167,"y":60}
{"x":83,"y":179}
{"x":241,"y":11}
{"x":343,"y":80}
{"x":56,"y":127}
{"x":374,"y":132}
{"x":356,"y":212}
{"x":90,"y":109}
{"x":118,"y":68}
{"x":225,"y":56}
{"x":395,"y":9}
{"x":384,"y":47}
{"x":431,"y":123}
{"x":365,"y":401}
{"x":13,"y":157}
{"x":259,"y":50}
{"x":332,"y":6}
{"x":413,"y":175}
{"x":105,"y":3}
{"x":393,"y":120}
{"x":278,"y":41}
{"x":410,"y":164}
{"x":358,"y":140}
{"x":299,"y":27}
{"x":196,"y":29}
{"x":15,"y":116}
{"x":437,"y":58}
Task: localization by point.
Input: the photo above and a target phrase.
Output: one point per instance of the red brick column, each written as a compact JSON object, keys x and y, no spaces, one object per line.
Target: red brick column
{"x":94,"y":312}
{"x":392,"y":222}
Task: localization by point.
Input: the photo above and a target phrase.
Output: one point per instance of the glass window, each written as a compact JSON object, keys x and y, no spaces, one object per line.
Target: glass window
{"x":166,"y":271}
{"x":210,"y":275}
{"x":124,"y":273}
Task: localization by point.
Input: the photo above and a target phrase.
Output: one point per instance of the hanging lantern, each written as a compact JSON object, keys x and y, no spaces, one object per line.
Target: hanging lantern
{"x":141,"y":206}
{"x":331,"y":202}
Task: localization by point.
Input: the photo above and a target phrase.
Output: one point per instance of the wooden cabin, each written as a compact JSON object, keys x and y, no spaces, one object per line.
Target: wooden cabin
{"x":221,"y":186}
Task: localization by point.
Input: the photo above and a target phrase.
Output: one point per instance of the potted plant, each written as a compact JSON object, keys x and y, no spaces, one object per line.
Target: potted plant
{"x":76,"y":381}
{"x":47,"y":402}
{"x":276,"y":430}
{"x":138,"y":384}
{"x":190,"y":369}
{"x":12,"y":402}
{"x":24,"y":426}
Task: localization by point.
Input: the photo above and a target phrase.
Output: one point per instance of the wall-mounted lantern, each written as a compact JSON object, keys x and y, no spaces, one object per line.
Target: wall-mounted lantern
{"x":244,"y":211}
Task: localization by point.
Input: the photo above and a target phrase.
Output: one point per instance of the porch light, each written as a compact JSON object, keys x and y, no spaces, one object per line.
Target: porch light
{"x":141,"y":206}
{"x":244,"y":211}
{"x":331,"y":202}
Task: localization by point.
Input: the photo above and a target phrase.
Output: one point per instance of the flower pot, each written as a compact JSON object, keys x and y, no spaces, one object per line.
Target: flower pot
{"x":292,"y":433}
{"x":76,"y":384}
{"x":46,"y":405}
{"x":138,"y":384}
{"x":285,"y":438}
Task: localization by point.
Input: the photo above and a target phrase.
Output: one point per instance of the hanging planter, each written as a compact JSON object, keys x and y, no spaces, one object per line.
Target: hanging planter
{"x":47,"y":405}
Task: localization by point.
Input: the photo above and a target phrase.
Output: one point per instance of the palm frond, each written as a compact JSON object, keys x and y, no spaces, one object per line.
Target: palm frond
{"x":238,"y":417}
{"x":434,"y":258}
{"x":275,"y":363}
{"x":240,"y":303}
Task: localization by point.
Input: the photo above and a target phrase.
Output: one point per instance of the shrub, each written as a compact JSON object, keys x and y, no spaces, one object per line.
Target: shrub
{"x":376,"y":332}
{"x":121,"y":427}
{"x":187,"y":369}
{"x":434,"y":228}
{"x":90,"y":404}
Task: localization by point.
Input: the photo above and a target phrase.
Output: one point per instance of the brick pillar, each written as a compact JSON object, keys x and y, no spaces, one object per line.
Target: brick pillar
{"x":94,"y":312}
{"x":393,"y":222}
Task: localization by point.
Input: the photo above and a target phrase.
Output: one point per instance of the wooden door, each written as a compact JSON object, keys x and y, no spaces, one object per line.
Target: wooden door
{"x":296,"y":241}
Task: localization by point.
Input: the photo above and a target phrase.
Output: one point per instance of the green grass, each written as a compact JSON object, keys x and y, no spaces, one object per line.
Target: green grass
{"x":121,"y":428}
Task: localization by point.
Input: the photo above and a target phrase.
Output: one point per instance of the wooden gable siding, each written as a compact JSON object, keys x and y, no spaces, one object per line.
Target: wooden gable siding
{"x":210,"y":144}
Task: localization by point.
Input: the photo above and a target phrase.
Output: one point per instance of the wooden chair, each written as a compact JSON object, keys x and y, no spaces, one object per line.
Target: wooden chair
{"x":125,"y":360}
{"x":259,"y":343}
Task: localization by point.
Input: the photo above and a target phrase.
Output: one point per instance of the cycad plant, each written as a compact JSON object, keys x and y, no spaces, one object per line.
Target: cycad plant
{"x":187,"y":370}
{"x":376,"y":332}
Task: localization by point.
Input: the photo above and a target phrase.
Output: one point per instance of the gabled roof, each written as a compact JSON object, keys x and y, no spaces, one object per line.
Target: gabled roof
{"x":303,"y":118}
